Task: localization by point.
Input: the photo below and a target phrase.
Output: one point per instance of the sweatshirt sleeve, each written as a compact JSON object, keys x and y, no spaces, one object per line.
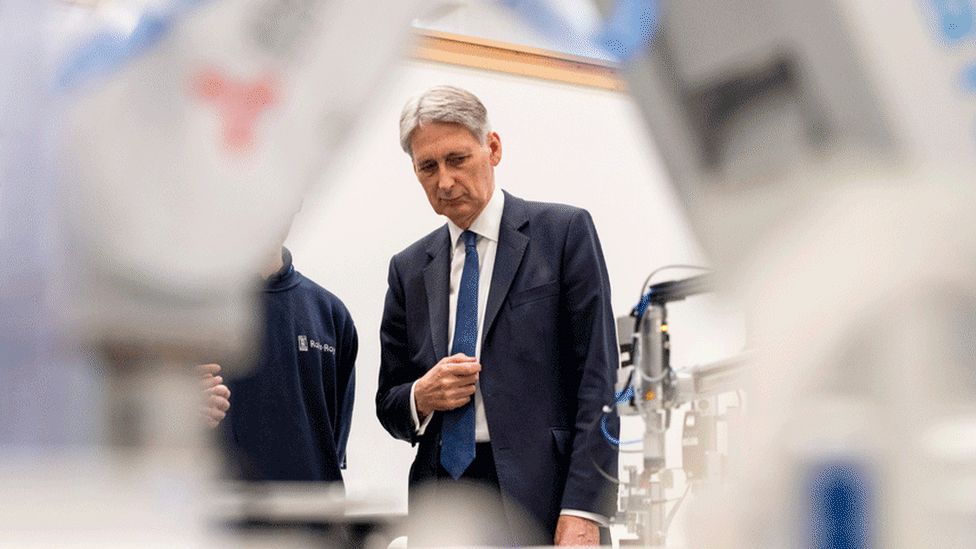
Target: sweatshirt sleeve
{"x":346,"y":386}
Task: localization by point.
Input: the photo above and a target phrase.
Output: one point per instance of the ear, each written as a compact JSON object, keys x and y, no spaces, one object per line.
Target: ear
{"x":494,"y":147}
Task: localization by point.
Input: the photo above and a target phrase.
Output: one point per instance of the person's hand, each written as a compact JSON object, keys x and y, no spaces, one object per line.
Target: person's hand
{"x":217,"y":394}
{"x":572,"y":530}
{"x":446,"y":386}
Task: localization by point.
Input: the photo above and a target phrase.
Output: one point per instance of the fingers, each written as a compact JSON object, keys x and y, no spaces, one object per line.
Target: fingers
{"x":456,"y":361}
{"x":449,"y":382}
{"x":460,"y":393}
{"x":454,"y":376}
{"x":444,"y":397}
{"x":466,"y":368}
{"x":466,"y":380}
{"x":215,"y":409}
{"x":448,"y":385}
{"x":455,"y":398}
{"x":213,"y":415}
{"x":220,"y":391}
{"x":210,"y":382}
{"x":208,"y":369}
{"x":447,"y":374}
{"x":215,"y":402}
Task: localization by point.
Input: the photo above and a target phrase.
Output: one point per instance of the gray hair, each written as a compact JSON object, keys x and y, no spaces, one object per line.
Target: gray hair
{"x":445,"y":104}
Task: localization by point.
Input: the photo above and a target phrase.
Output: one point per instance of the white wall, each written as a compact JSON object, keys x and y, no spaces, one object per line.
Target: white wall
{"x":561,"y":143}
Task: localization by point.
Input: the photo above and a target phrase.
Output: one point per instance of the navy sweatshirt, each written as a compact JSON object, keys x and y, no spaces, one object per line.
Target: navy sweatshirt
{"x":289,"y":417}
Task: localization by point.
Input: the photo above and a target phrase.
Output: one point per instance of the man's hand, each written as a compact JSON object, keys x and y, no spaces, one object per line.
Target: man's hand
{"x":216,"y":393}
{"x":571,"y":530}
{"x":446,"y":386}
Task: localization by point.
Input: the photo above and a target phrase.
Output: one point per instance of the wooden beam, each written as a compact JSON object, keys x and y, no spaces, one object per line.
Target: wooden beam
{"x":495,"y":56}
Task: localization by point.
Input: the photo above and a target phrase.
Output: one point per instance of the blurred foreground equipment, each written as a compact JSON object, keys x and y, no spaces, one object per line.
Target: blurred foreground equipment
{"x":153,"y":155}
{"x":824,"y":152}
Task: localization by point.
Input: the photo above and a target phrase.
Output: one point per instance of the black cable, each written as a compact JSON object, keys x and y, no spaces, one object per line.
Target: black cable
{"x":674,"y":510}
{"x":603,"y":473}
{"x":589,"y":452}
{"x":640,"y":308}
{"x":664,"y":268}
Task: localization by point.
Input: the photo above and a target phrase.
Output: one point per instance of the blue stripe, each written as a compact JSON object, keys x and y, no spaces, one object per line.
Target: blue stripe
{"x":629,"y":30}
{"x":840,"y":506}
{"x":969,"y":78}
{"x":108,"y":51}
{"x":955,"y":18}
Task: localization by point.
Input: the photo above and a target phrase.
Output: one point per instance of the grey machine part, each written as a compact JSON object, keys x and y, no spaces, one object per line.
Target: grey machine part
{"x":739,"y":93}
{"x":648,"y":386}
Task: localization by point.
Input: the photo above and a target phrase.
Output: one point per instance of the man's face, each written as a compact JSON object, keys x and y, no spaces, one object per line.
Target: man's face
{"x":456,"y":171}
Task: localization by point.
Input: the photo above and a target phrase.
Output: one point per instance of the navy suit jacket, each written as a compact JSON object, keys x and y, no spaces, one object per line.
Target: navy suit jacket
{"x":548,"y":357}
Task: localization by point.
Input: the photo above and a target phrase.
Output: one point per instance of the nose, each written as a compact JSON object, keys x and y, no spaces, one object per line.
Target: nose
{"x":445,"y":182}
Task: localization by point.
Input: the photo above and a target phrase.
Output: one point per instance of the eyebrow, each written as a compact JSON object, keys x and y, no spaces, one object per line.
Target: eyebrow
{"x":451,"y":154}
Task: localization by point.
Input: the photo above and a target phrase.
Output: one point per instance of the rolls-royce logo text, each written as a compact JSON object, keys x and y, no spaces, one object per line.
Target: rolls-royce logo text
{"x":304,"y":343}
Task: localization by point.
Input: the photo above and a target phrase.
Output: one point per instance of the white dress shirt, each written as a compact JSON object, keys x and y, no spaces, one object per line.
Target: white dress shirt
{"x":487,"y":226}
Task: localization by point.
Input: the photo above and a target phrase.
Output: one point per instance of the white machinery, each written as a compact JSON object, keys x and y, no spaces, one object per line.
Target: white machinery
{"x":824,"y":152}
{"x":648,"y":386}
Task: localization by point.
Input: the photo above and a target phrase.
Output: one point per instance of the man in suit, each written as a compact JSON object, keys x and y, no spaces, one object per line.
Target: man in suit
{"x":498,"y":343}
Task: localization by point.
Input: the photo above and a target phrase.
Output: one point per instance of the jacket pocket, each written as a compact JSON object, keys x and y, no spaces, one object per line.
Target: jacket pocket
{"x":562,"y":439}
{"x":548,"y":289}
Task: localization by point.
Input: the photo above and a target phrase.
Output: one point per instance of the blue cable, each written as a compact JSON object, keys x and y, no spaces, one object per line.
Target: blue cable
{"x":642,"y":305}
{"x":628,"y":393}
{"x":618,"y":398}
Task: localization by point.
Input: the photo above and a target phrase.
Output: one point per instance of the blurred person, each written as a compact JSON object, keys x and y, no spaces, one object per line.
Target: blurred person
{"x":292,"y":412}
{"x":498,"y":339}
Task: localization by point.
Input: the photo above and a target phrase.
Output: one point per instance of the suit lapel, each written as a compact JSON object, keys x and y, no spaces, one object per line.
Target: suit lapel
{"x":508,"y":257}
{"x":437,"y":281}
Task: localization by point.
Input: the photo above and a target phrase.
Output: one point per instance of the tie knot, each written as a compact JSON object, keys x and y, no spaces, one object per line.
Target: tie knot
{"x":470,"y":239}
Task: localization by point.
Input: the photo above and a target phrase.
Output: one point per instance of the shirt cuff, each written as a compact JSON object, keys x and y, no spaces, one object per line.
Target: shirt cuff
{"x":420,"y":428}
{"x":599,"y":519}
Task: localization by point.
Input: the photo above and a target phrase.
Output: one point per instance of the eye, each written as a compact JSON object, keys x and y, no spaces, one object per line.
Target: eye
{"x":427,"y":168}
{"x":456,"y":161}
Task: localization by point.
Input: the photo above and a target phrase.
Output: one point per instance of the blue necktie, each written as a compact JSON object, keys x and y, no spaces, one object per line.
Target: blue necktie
{"x":457,"y":433}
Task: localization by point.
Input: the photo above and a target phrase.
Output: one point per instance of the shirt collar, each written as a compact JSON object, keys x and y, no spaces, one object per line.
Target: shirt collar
{"x":488,"y":224}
